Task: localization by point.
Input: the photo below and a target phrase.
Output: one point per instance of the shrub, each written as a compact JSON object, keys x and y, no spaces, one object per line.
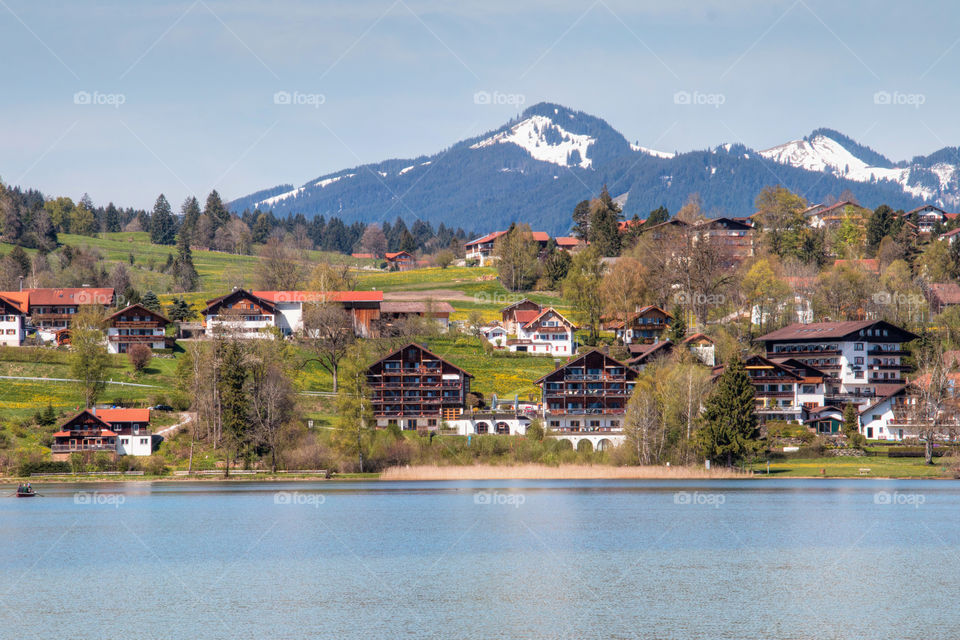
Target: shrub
{"x":5,"y":440}
{"x":155,"y":466}
{"x":28,"y":467}
{"x":139,"y":356}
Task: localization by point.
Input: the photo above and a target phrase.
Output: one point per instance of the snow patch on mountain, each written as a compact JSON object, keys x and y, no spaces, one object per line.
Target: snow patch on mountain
{"x":295,"y":192}
{"x":544,"y":141}
{"x":652,"y":152}
{"x":822,"y":153}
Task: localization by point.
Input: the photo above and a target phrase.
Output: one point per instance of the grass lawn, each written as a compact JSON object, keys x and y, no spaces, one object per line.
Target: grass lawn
{"x":844,"y":467}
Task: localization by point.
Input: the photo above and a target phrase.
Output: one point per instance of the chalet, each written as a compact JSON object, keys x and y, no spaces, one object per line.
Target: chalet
{"x":862,"y":358}
{"x":950,"y":236}
{"x":646,"y":326}
{"x":830,"y":217}
{"x":929,"y":218}
{"x":588,"y":394}
{"x":546,"y":333}
{"x":135,"y":325}
{"x":364,"y":307}
{"x":495,"y":334}
{"x":942,"y":295}
{"x":826,"y":420}
{"x":702,"y":347}
{"x":733,"y":237}
{"x":883,"y":419}
{"x":569,"y":243}
{"x":414,"y":388}
{"x":50,"y":310}
{"x":400,"y":261}
{"x":644,"y":353}
{"x":132,"y":427}
{"x":86,"y":434}
{"x":519,"y":312}
{"x":240,"y":314}
{"x":392,"y":312}
{"x":784,"y":388}
{"x":13,"y":321}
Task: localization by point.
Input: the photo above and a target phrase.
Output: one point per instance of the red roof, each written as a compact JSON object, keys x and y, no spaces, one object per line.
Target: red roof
{"x":393,"y":255}
{"x":623,"y":225}
{"x":319,"y":296}
{"x":870,"y":264}
{"x":142,"y":308}
{"x":19,"y":299}
{"x":567,"y":241}
{"x":523,"y":316}
{"x":490,"y":237}
{"x":540,"y":236}
{"x":365,"y":256}
{"x":79,"y":295}
{"x":946,"y":292}
{"x":123,"y":415}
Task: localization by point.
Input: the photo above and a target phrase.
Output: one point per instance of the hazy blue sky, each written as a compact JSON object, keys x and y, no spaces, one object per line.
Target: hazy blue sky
{"x":397,"y":78}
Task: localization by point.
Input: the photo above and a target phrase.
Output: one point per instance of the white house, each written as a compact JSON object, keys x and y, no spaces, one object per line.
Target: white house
{"x":494,"y":334}
{"x":878,"y":421}
{"x":132,"y":428}
{"x":12,"y":323}
{"x":546,"y":333}
{"x":135,"y":325}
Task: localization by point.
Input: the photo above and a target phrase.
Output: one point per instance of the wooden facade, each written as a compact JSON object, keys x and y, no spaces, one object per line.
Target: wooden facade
{"x":589,"y":393}
{"x":84,"y":433}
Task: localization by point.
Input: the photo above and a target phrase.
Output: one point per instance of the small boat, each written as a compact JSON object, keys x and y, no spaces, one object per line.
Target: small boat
{"x":25,"y":492}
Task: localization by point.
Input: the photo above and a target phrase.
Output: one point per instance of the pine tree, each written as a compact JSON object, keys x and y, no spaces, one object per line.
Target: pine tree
{"x":581,"y":220}
{"x":233,"y":401}
{"x":678,"y":327}
{"x":179,"y":310}
{"x":729,"y":424}
{"x":219,"y":215}
{"x":604,"y":224}
{"x":151,"y":301}
{"x":162,"y":224}
{"x":658,"y":216}
{"x":184,"y":273}
{"x":261,"y":230}
{"x":879,"y":225}
{"x":851,"y":422}
{"x":190,"y":209}
{"x":111,"y":219}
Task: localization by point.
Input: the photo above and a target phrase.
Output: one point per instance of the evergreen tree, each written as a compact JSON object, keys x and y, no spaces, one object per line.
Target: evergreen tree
{"x":261,"y":230}
{"x":729,"y":424}
{"x":162,"y":224}
{"x":851,"y":421}
{"x":184,"y":273}
{"x":879,"y":225}
{"x":190,"y":210}
{"x":581,"y":220}
{"x":407,"y":242}
{"x":111,"y":219}
{"x":219,"y":215}
{"x":604,"y":224}
{"x":179,"y":310}
{"x":678,"y":327}
{"x":657,"y":216}
{"x":151,"y":301}
{"x":233,"y":400}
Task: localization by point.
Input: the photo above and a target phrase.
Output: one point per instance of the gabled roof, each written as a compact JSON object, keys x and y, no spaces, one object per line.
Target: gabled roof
{"x":440,"y":307}
{"x":71,"y":296}
{"x":640,"y":313}
{"x":567,"y":241}
{"x":515,"y":304}
{"x":926,"y":207}
{"x":759,"y":362}
{"x":900,"y":388}
{"x":140,"y":308}
{"x":582,"y":357}
{"x":86,"y":413}
{"x":319,"y":296}
{"x":946,"y":292}
{"x":543,"y":312}
{"x":830,"y":330}
{"x":240,"y":293}
{"x":123,"y":415}
{"x":8,"y":306}
{"x":393,"y":255}
{"x":425,"y":350}
{"x":697,"y":337}
{"x":725,"y":222}
{"x":951,"y":233}
{"x":490,"y":237}
{"x":18,"y":299}
{"x":642,"y":352}
{"x":525,"y":316}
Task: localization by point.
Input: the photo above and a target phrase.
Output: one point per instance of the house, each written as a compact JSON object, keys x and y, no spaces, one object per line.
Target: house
{"x":50,"y":310}
{"x":522,"y":311}
{"x":862,"y":358}
{"x":647,"y":325}
{"x":588,"y":395}
{"x":883,"y":418}
{"x":942,"y":295}
{"x":950,"y":236}
{"x":135,"y":325}
{"x":784,"y":388}
{"x":363,"y":306}
{"x":702,"y":348}
{"x":826,"y":420}
{"x":414,"y":388}
{"x":249,"y":313}
{"x":482,"y":248}
{"x":569,"y":243}
{"x":84,"y":433}
{"x":400,"y":261}
{"x":495,"y":334}
{"x":13,"y":321}
{"x":928,"y":218}
{"x":644,"y":353}
{"x":733,"y":237}
{"x":545,"y":333}
{"x":239,"y":314}
{"x":132,"y":427}
{"x":392,"y":312}
{"x":830,"y":217}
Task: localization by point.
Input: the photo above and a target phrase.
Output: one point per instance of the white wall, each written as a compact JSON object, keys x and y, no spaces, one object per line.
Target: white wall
{"x":11,"y":330}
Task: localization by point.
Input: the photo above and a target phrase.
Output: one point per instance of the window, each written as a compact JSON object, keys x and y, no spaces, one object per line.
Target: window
{"x":877,"y":416}
{"x":124,"y":441}
{"x":555,"y":424}
{"x":143,"y":441}
{"x":574,"y":423}
{"x":858,"y":360}
{"x":858,"y":346}
{"x":614,"y":423}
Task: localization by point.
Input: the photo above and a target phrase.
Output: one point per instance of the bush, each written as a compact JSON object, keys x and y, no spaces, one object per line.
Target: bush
{"x":139,"y":356}
{"x":180,"y":401}
{"x":103,"y":461}
{"x":28,"y":467}
{"x":155,"y":466}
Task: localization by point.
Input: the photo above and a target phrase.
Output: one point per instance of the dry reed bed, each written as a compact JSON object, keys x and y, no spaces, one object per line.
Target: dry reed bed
{"x":562,"y":472}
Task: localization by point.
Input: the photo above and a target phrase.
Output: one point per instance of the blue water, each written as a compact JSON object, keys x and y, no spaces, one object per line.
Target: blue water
{"x":509,"y":559}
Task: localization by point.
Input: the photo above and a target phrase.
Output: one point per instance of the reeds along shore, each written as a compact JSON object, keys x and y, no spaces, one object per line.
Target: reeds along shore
{"x":563,"y":472}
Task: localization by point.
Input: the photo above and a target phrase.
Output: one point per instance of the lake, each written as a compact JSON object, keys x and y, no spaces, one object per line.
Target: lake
{"x":506,"y":559}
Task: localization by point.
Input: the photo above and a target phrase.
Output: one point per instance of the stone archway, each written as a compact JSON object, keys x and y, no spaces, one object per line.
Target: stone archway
{"x":604,"y":445}
{"x":585,"y":446}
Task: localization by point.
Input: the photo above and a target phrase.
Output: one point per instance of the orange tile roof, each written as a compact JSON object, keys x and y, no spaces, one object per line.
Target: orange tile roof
{"x":77,"y":295}
{"x":524,"y":316}
{"x":19,"y":299}
{"x":124,"y":415}
{"x":319,"y":296}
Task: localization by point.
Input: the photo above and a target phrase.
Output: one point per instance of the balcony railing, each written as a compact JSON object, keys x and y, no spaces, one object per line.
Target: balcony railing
{"x":80,"y":447}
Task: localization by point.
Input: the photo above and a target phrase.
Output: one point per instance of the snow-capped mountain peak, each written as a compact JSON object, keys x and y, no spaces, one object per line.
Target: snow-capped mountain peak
{"x":545,"y":141}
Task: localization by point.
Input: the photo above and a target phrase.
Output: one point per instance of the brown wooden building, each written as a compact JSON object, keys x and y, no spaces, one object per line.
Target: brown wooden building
{"x":84,"y":433}
{"x":416,"y":389}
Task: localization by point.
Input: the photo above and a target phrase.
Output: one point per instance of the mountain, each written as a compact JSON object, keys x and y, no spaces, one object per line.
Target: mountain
{"x":536,"y":168}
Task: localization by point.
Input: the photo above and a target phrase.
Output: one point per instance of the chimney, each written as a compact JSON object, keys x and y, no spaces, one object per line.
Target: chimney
{"x":556,"y":363}
{"x":21,"y":283}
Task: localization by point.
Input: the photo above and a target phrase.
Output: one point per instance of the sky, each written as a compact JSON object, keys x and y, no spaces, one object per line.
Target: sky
{"x":126,"y":100}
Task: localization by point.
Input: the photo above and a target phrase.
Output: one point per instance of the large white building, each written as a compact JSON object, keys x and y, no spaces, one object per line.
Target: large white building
{"x":12,"y":322}
{"x":135,"y":325}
